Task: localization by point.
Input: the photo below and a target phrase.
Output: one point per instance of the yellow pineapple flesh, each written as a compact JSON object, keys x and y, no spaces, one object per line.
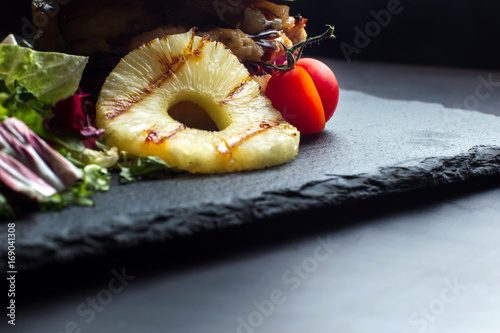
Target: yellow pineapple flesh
{"x":191,"y":102}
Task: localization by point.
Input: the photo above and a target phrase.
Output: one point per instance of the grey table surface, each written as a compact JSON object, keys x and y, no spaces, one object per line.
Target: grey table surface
{"x":424,"y":261}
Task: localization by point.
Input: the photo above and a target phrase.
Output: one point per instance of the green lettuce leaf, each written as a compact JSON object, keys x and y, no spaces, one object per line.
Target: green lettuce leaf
{"x":18,"y":102}
{"x":50,"y":76}
{"x":95,"y":178}
{"x":6,"y":210}
{"x":133,"y":167}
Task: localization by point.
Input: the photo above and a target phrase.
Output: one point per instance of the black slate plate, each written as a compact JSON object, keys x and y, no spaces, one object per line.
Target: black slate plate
{"x":372,"y":147}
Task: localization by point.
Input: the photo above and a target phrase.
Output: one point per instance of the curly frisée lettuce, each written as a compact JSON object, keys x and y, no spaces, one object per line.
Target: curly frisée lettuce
{"x":95,"y":178}
{"x":50,"y":76}
{"x":133,"y":167}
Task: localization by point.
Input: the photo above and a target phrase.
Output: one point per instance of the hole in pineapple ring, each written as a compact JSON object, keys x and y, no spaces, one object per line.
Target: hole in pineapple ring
{"x":200,"y":114}
{"x":192,"y":115}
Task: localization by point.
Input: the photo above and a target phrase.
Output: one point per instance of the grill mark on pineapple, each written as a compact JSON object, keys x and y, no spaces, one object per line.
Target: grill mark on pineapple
{"x":189,"y":47}
{"x":235,"y":91}
{"x":249,"y":132}
{"x":158,"y":136}
{"x":119,"y":106}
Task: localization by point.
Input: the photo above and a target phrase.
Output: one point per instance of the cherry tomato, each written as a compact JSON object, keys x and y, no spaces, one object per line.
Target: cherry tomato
{"x":306,"y":95}
{"x":325,"y":81}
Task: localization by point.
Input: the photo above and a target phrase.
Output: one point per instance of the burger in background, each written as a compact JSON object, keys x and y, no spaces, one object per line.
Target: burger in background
{"x":252,"y":29}
{"x":106,"y":30}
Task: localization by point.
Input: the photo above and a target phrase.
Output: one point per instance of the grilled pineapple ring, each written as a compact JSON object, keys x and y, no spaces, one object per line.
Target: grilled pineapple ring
{"x":184,"y":69}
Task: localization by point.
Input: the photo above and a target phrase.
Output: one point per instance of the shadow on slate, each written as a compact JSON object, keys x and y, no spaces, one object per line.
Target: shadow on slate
{"x":373,"y":148}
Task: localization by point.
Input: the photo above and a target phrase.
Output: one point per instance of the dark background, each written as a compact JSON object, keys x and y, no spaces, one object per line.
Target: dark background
{"x":457,"y":33}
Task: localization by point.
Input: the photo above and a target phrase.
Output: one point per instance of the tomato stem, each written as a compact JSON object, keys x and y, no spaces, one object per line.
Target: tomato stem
{"x":291,"y":59}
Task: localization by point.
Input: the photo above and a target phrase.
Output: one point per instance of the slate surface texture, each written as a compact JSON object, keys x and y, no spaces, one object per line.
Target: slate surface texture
{"x":372,"y":147}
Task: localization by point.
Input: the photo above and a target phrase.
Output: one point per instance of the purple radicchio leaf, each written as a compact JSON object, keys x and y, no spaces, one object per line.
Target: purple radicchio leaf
{"x":17,"y":140}
{"x":22,"y":180}
{"x":75,"y":114}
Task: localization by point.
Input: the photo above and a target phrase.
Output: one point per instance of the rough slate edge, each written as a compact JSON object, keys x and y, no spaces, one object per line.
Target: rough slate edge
{"x":479,"y":161}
